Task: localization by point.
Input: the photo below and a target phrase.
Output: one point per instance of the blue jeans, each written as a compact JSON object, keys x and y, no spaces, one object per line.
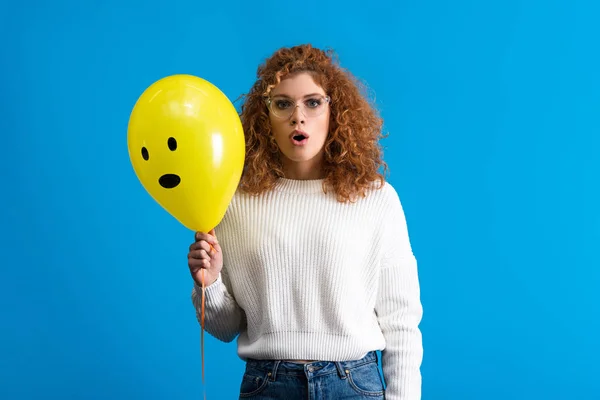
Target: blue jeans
{"x":320,"y":380}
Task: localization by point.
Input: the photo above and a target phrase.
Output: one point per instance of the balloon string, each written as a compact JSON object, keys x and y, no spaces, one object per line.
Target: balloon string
{"x":202,"y":325}
{"x":202,"y":333}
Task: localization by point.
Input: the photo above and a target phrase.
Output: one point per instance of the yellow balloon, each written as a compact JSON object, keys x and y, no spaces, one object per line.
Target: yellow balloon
{"x":187,"y":147}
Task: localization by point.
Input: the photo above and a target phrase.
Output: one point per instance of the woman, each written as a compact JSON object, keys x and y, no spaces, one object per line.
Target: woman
{"x":311,"y":268}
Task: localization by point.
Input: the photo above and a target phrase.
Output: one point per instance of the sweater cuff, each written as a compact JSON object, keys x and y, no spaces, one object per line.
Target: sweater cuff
{"x":210,"y":288}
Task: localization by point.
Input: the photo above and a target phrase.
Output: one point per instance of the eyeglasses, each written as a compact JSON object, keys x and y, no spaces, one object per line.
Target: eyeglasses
{"x":284,"y":107}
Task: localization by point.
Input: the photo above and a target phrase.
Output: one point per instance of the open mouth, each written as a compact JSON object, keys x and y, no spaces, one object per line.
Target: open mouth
{"x":169,"y":181}
{"x":299,"y":138}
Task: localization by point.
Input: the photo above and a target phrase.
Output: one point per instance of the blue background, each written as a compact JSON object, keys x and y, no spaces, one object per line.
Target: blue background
{"x":492,"y":109}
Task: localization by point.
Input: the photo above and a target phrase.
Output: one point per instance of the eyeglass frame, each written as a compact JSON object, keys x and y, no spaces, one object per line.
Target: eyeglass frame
{"x":269,"y":100}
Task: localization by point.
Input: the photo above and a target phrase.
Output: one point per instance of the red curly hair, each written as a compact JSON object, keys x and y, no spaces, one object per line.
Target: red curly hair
{"x":352,"y":152}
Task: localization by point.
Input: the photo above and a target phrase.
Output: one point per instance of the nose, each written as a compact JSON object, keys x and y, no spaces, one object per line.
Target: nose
{"x":297,"y":116}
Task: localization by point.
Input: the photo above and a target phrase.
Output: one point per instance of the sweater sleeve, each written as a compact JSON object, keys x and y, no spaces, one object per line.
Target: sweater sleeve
{"x":399,"y":310}
{"x":223,"y":317}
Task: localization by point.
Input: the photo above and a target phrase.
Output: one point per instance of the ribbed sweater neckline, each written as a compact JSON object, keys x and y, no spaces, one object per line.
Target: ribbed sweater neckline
{"x":299,"y":185}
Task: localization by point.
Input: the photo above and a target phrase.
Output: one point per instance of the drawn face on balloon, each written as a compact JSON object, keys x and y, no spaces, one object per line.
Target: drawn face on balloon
{"x":168,"y":180}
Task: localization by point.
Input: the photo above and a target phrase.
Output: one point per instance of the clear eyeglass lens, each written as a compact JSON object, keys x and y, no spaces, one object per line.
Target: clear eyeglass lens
{"x":283,"y":107}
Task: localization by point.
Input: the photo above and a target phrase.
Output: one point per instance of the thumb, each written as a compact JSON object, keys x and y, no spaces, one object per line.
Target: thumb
{"x":216,"y":245}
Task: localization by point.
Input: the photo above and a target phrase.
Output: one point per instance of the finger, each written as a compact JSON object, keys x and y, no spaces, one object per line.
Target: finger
{"x":195,"y":265}
{"x":194,"y":269}
{"x":199,"y":255}
{"x":208,"y":246}
{"x":204,"y":245}
{"x":206,"y":236}
{"x":196,"y":246}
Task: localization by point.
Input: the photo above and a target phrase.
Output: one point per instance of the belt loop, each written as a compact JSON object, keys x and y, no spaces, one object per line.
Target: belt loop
{"x":273,"y":373}
{"x":376,"y":357}
{"x":341,"y":370}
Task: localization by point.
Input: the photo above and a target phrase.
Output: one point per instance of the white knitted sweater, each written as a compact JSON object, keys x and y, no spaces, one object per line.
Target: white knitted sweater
{"x":306,"y":277}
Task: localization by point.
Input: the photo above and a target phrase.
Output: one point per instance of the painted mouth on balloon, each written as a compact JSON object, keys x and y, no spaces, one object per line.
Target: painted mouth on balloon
{"x":169,"y":181}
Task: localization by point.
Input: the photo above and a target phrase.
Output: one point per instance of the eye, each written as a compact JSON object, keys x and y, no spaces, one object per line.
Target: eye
{"x":282,"y":104}
{"x":145,"y":154}
{"x":172,"y":143}
{"x":313,"y":103}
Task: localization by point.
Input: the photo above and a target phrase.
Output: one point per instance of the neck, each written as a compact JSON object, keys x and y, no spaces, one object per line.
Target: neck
{"x":304,"y":170}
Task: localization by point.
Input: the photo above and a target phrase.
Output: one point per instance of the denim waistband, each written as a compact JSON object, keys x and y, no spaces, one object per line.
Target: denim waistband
{"x":293,"y":368}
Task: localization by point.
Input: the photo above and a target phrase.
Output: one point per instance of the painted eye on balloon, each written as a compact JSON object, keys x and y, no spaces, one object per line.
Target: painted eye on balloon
{"x":172,"y":143}
{"x":145,"y":154}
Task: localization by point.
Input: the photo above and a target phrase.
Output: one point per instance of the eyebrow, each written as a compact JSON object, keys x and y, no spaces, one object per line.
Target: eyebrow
{"x":305,"y":96}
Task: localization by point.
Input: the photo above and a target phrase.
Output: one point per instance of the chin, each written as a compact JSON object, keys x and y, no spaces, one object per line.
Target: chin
{"x":295,"y":157}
